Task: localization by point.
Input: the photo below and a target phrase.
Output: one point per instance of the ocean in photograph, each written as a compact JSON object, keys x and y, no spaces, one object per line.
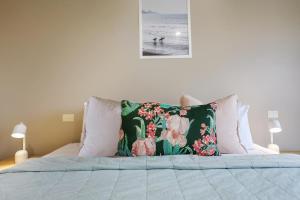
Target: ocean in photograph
{"x":165,"y":34}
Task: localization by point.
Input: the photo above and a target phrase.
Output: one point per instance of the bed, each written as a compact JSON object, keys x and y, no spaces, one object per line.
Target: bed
{"x":64,"y":175}
{"x":261,"y":174}
{"x":161,"y":177}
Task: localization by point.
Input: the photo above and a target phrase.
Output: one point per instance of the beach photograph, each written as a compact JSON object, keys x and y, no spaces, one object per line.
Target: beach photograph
{"x":165,"y":29}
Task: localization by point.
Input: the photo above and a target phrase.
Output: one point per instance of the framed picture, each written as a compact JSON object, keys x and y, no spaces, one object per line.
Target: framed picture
{"x":165,"y":29}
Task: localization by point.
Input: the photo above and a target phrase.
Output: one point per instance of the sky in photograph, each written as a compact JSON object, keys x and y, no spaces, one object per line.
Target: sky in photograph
{"x":165,"y":6}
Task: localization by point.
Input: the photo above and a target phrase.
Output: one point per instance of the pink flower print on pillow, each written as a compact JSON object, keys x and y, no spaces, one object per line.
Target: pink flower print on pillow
{"x":144,"y":147}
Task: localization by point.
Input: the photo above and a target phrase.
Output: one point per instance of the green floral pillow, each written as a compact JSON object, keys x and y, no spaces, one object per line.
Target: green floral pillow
{"x":161,"y":129}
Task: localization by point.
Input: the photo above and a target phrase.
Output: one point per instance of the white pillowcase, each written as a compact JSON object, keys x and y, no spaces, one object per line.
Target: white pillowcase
{"x":243,"y":126}
{"x":102,"y":125}
{"x":189,"y":100}
{"x":226,"y":123}
{"x":82,"y":137}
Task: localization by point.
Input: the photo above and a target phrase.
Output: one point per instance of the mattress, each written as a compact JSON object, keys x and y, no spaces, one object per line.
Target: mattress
{"x":73,"y":149}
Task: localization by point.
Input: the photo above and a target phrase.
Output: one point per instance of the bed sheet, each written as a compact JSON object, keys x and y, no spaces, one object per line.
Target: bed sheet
{"x":73,"y":149}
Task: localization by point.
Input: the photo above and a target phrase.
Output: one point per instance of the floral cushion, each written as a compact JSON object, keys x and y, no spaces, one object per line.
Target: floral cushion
{"x":160,"y":129}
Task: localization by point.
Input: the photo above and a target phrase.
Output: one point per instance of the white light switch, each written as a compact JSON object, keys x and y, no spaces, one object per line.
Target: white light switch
{"x":272,"y":114}
{"x":68,"y":117}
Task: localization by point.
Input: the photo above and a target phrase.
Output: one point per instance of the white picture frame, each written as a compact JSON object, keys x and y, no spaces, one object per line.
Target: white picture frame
{"x":157,"y":51}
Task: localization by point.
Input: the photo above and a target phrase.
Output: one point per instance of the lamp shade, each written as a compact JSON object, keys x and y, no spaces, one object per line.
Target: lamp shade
{"x":19,"y":131}
{"x":274,"y":126}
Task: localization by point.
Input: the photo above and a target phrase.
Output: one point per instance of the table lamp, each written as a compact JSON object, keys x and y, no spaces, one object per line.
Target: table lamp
{"x":19,"y":132}
{"x":274,"y":127}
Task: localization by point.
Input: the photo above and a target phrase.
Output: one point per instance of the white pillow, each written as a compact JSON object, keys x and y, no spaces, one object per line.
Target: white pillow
{"x":226,"y":123}
{"x":243,"y":122}
{"x":102,"y":126}
{"x":82,"y":137}
{"x":243,"y":126}
{"x":186,"y":100}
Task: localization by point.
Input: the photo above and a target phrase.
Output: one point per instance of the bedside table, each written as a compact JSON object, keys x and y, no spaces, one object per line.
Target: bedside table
{"x":7,"y":163}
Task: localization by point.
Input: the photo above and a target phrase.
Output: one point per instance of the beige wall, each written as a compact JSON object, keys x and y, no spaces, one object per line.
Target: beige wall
{"x":54,"y":54}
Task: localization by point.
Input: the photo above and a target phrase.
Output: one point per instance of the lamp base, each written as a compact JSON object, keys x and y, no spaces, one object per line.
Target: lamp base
{"x":274,"y":147}
{"x":21,"y":156}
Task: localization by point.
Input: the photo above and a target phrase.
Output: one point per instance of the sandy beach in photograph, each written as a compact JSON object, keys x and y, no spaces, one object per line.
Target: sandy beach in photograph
{"x":165,"y":28}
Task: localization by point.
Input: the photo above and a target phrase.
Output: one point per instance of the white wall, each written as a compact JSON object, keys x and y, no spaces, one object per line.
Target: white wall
{"x":54,"y":54}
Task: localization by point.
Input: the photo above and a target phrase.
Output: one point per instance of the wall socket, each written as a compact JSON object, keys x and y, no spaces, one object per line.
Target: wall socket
{"x":273,"y":114}
{"x":68,"y":117}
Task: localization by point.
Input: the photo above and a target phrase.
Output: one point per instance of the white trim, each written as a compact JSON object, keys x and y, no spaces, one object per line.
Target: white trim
{"x":141,"y":35}
{"x":141,"y":28}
